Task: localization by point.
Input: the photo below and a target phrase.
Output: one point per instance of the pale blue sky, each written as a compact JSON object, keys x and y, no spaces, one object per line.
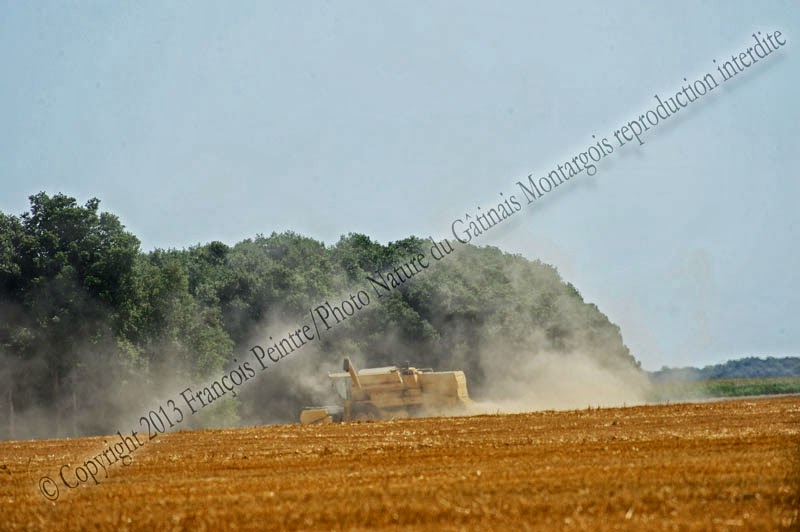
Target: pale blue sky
{"x":216,"y":121}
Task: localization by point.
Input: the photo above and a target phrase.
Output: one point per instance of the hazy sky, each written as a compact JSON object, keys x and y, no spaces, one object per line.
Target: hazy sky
{"x":217,"y":121}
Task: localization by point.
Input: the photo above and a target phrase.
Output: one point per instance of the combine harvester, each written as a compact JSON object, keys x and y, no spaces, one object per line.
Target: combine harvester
{"x":391,"y":392}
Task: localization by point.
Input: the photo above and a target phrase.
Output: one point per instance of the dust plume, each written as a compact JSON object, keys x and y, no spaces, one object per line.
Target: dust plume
{"x":548,"y":381}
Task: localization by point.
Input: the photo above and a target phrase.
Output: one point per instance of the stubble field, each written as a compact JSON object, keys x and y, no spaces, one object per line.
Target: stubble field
{"x":732,"y":465}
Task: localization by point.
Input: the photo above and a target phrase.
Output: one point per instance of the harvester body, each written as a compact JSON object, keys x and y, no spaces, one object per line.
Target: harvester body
{"x":391,"y":392}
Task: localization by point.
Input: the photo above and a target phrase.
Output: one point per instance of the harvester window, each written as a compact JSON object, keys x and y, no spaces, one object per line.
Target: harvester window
{"x":342,"y":387}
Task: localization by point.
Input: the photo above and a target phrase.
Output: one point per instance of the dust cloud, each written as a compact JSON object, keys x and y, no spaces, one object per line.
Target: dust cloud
{"x":549,"y":381}
{"x":510,"y":363}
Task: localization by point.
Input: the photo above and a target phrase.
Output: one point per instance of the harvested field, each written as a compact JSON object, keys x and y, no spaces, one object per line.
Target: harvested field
{"x":731,"y":465}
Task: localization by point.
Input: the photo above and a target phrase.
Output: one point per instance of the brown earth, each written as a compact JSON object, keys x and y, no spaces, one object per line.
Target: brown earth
{"x":731,"y":465}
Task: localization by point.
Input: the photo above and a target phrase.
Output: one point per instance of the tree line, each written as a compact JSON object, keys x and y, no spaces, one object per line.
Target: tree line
{"x":742,"y":368}
{"x":91,"y":326}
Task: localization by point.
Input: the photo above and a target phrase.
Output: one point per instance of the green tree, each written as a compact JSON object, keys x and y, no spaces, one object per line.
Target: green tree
{"x":65,"y":273}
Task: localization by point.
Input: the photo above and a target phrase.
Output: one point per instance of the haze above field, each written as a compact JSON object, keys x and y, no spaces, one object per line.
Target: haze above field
{"x":202,"y":122}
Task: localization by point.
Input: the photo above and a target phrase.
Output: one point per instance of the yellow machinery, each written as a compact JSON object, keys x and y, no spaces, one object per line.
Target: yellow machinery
{"x":391,"y":392}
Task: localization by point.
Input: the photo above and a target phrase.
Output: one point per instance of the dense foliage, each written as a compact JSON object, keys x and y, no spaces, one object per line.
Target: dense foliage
{"x":92,"y":328}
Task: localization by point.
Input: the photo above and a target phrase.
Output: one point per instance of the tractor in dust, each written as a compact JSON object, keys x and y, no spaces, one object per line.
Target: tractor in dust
{"x":391,"y":392}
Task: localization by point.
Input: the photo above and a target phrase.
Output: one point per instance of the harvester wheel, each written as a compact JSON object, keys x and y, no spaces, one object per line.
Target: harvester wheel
{"x":366,"y":413}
